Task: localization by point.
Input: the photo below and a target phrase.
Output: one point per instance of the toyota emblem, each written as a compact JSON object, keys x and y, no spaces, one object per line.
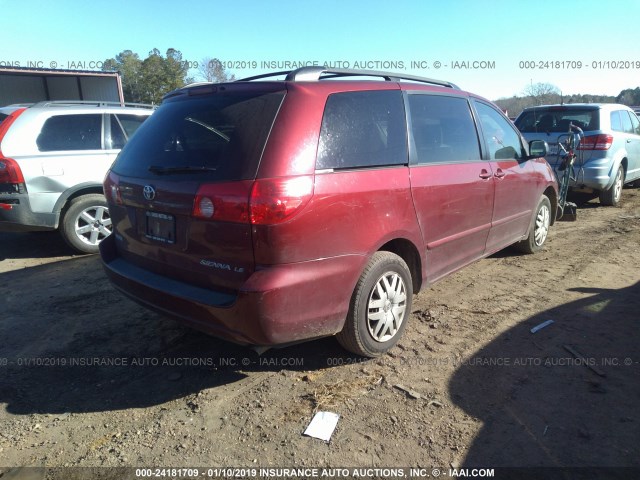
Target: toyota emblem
{"x":149,"y":192}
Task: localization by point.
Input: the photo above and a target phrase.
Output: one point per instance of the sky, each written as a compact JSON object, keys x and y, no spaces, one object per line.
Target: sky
{"x":495,"y":49}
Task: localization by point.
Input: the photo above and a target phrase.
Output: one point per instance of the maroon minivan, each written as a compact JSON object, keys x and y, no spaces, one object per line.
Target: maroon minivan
{"x":271,"y":212}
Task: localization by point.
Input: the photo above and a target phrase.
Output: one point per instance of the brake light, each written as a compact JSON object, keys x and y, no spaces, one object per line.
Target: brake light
{"x":263,"y":202}
{"x":225,"y":202}
{"x":275,"y":200}
{"x":596,"y":142}
{"x":112,"y":188}
{"x":10,"y":171}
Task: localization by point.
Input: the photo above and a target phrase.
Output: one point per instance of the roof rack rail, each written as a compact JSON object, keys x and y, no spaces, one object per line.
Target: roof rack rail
{"x":96,"y":103}
{"x":18,"y":105}
{"x":264,"y":75}
{"x":313,"y":74}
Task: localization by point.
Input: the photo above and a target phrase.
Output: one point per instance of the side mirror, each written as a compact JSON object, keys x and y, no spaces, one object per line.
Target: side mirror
{"x":538,"y":148}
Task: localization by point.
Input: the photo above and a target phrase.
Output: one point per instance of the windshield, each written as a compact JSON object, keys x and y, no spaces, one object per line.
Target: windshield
{"x":557,"y":119}
{"x":219,"y":137}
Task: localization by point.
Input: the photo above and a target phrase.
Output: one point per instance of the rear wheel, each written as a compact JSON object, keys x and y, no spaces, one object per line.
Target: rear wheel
{"x":380,"y":306}
{"x":539,"y":228}
{"x":86,"y":223}
{"x":611,"y":196}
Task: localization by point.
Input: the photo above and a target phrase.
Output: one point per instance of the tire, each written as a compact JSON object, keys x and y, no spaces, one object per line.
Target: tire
{"x":380,"y":306}
{"x":86,"y":223}
{"x":611,"y":196}
{"x":539,"y":228}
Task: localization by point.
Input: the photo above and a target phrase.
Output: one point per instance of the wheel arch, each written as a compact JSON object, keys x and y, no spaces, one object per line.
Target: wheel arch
{"x":75,"y":192}
{"x":624,"y":163}
{"x":407,"y":250}
{"x":552,"y":195}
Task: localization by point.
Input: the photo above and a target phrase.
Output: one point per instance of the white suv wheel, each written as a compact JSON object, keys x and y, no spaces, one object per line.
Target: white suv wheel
{"x":86,"y":223}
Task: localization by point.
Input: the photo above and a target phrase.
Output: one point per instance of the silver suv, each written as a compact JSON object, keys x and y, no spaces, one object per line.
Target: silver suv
{"x":53,"y":159}
{"x":611,"y":147}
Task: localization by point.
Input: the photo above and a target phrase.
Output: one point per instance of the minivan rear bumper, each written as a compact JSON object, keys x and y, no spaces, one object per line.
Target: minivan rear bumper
{"x":277,"y":304}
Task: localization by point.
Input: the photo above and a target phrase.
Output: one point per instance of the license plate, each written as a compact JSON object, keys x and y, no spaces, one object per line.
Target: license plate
{"x":161,"y":227}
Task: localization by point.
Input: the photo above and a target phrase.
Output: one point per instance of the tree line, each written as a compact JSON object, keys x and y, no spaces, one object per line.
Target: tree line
{"x":548,"y":94}
{"x":148,"y":80}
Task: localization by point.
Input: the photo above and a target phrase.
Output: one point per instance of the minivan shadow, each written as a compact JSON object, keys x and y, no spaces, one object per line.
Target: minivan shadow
{"x":71,"y":343}
{"x":566,"y":396}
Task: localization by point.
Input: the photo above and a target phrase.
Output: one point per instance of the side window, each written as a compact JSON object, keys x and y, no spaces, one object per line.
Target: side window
{"x":635,"y":123}
{"x":363,"y":129}
{"x":626,"y":121}
{"x":71,"y":132}
{"x":616,"y":124}
{"x":501,"y":137}
{"x":443,"y":129}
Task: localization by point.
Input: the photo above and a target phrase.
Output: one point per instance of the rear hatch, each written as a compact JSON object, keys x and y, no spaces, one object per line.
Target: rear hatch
{"x":551,"y":124}
{"x":179,"y":190}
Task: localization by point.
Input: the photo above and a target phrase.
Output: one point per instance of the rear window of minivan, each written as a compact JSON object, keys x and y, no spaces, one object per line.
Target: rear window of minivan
{"x":216,"y":137}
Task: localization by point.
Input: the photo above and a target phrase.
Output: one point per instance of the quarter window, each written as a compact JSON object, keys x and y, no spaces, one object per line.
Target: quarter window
{"x":362,"y":129}
{"x":122,"y":127}
{"x":71,"y":132}
{"x":626,"y":121}
{"x":118,"y":138}
{"x":130,"y":123}
{"x":501,"y":138}
{"x":616,"y":123}
{"x":443,"y":129}
{"x":635,"y":123}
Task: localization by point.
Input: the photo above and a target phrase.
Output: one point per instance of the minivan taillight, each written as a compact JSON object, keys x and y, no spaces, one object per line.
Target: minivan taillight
{"x":263,"y":202}
{"x":596,"y":142}
{"x":225,"y":202}
{"x":111,"y":188}
{"x":274,"y":200}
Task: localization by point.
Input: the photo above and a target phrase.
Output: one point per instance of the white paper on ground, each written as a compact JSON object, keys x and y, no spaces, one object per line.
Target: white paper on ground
{"x":541,"y":326}
{"x":322,"y":425}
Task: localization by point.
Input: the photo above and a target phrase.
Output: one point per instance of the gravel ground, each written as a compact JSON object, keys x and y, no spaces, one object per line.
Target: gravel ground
{"x":90,"y":379}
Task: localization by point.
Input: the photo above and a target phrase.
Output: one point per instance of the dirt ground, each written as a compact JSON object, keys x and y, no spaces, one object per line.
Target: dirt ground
{"x":90,"y":379}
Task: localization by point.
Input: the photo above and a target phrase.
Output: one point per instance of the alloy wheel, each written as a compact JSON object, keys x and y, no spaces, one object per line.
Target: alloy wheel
{"x":543,"y":220}
{"x":93,"y":225}
{"x":386,"y":307}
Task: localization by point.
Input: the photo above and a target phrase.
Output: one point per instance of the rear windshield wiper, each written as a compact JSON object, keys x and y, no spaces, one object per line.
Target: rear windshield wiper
{"x":184,"y":169}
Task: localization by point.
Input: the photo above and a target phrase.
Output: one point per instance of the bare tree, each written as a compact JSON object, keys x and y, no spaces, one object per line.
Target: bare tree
{"x":212,"y":70}
{"x":542,"y":93}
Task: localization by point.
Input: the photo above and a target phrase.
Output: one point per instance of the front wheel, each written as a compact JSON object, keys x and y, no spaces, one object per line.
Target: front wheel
{"x":611,"y":196}
{"x":380,"y":306}
{"x":539,"y":228}
{"x":86,"y":223}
